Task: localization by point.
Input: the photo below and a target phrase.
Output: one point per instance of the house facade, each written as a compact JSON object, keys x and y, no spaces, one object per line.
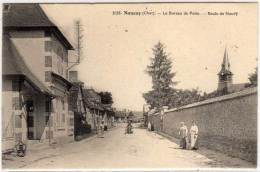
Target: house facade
{"x":82,"y":114}
{"x":35,"y":81}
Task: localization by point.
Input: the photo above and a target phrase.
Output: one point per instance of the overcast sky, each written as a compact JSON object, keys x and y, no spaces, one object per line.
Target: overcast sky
{"x":117,"y":48}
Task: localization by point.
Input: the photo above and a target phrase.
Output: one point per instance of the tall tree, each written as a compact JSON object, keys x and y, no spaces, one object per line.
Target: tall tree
{"x":106,"y":97}
{"x":160,"y":69}
{"x":253,"y":78}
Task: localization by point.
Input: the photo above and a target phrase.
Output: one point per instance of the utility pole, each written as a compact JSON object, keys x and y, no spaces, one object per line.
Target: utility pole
{"x":79,"y":37}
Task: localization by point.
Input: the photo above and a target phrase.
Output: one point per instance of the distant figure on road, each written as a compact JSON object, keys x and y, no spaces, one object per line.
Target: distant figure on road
{"x":105,"y":126}
{"x":149,"y":126}
{"x":129,"y":127}
{"x":101,"y":129}
{"x":183,"y":132}
{"x":194,"y":136}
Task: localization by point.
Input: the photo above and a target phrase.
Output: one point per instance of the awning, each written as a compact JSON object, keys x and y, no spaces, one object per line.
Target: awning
{"x":63,"y":80}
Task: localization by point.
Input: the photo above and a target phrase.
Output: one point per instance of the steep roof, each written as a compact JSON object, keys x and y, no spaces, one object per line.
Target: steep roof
{"x":92,"y":99}
{"x":31,"y":16}
{"x":91,"y":94}
{"x":225,"y":67}
{"x":13,"y":65}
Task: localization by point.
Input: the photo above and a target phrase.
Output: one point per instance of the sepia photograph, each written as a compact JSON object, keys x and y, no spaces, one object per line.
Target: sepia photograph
{"x":129,"y":86}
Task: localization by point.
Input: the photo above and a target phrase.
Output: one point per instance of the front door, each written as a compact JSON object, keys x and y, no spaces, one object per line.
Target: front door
{"x":30,"y":119}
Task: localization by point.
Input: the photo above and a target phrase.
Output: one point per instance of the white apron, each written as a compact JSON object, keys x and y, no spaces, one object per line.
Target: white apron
{"x":194,"y":135}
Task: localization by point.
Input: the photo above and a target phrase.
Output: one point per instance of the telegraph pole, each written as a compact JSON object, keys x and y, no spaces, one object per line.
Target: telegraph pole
{"x":79,"y":37}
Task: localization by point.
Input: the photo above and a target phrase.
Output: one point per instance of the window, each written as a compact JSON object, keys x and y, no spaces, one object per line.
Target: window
{"x":6,"y":7}
{"x":48,"y":76}
{"x":48,"y":61}
{"x":48,"y":46}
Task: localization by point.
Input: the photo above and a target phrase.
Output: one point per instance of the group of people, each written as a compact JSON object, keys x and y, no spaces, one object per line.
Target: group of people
{"x":189,"y":139}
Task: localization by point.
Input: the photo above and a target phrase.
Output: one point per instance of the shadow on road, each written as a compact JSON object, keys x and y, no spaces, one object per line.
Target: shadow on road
{"x":215,"y":159}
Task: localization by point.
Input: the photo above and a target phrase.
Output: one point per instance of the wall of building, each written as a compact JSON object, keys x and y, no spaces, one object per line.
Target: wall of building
{"x":13,"y":114}
{"x":8,"y":139}
{"x":59,"y":54}
{"x":63,"y":130}
{"x":31,"y":45}
{"x":227,"y":123}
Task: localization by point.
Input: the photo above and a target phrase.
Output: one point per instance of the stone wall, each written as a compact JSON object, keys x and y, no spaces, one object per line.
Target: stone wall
{"x":227,"y":123}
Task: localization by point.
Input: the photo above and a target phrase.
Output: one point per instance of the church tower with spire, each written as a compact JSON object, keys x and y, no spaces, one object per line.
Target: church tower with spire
{"x":225,"y":75}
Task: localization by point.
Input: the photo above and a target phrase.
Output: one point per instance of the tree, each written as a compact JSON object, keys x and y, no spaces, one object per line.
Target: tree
{"x":162,"y":84}
{"x":253,"y":78}
{"x":106,"y":97}
{"x":183,"y":97}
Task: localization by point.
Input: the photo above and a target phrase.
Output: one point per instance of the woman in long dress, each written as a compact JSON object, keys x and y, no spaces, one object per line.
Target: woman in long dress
{"x":102,"y":129}
{"x":149,"y":126}
{"x":194,"y":136}
{"x":183,"y":132}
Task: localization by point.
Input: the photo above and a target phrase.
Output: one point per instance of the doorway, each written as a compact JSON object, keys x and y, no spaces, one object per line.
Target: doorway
{"x":30,"y":119}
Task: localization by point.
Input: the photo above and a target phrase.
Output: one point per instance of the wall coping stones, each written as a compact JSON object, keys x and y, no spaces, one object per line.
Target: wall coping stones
{"x":242,"y":93}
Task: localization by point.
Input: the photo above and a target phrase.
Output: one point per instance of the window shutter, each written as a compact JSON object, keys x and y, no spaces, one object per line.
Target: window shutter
{"x":48,"y":61}
{"x":48,"y":46}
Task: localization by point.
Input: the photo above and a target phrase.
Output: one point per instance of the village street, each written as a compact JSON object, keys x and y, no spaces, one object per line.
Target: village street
{"x":142,"y":149}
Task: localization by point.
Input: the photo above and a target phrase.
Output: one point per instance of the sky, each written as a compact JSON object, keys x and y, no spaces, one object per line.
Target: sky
{"x":117,"y":48}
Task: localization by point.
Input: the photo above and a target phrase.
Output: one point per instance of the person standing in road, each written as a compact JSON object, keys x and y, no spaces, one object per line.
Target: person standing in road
{"x":149,"y":126}
{"x":183,"y":132}
{"x":194,"y":136}
{"x":101,"y":129}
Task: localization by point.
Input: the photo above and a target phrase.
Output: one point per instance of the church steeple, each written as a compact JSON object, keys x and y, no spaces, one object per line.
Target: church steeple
{"x":225,"y":75}
{"x":225,"y":64}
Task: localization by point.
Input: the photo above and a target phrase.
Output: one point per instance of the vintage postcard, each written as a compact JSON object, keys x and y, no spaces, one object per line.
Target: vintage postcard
{"x":129,"y":86}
